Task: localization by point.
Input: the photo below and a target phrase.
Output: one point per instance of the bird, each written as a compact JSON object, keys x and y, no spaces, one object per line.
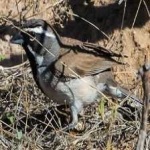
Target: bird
{"x":75,"y":75}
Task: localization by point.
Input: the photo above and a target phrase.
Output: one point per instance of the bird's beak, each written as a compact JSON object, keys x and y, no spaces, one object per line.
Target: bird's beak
{"x":17,"y":39}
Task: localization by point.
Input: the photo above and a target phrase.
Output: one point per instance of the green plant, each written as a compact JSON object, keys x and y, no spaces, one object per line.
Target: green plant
{"x":2,"y":57}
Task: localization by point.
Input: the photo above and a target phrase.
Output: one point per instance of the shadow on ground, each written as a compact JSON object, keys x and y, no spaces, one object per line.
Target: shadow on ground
{"x":107,"y":18}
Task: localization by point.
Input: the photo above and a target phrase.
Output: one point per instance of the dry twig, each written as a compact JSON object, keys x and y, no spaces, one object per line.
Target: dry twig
{"x":146,"y":86}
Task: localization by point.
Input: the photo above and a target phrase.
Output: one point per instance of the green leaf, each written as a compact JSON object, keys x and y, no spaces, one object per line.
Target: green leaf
{"x":114,"y":112}
{"x":2,"y":57}
{"x":19,"y":134}
{"x":101,"y":108}
{"x":10,"y":117}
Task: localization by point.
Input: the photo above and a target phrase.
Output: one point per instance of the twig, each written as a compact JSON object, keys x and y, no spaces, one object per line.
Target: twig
{"x":124,"y":12}
{"x":93,"y":25}
{"x":137,"y":13}
{"x":148,"y":11}
{"x":146,"y":86}
{"x":14,"y":67}
{"x":56,"y":3}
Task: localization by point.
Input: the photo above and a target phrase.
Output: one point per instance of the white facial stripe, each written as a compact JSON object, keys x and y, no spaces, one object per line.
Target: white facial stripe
{"x":39,"y":30}
{"x":39,"y":59}
{"x":30,"y":49}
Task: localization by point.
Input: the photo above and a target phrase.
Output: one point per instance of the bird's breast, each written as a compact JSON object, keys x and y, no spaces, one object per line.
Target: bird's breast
{"x":70,"y":91}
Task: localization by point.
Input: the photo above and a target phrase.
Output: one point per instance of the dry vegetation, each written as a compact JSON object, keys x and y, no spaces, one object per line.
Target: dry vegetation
{"x":31,"y":121}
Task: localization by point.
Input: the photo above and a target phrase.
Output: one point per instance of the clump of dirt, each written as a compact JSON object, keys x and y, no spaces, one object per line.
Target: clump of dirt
{"x":27,"y":120}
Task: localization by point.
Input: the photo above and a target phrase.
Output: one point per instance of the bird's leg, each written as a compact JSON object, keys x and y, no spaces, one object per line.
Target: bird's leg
{"x":74,"y":114}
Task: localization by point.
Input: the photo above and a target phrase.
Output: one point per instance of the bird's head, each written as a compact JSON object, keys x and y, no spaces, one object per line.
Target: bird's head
{"x":37,"y":38}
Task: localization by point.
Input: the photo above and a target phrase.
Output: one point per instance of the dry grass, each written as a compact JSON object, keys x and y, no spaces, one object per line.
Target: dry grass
{"x":30,"y":121}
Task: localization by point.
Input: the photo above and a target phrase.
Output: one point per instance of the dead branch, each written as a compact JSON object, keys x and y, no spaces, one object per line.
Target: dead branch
{"x":145,"y":74}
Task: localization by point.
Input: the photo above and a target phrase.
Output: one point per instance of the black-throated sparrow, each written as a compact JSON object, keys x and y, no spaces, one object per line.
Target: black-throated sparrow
{"x":67,"y":74}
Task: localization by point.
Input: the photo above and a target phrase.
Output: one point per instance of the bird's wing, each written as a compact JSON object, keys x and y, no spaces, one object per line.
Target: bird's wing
{"x":83,"y":64}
